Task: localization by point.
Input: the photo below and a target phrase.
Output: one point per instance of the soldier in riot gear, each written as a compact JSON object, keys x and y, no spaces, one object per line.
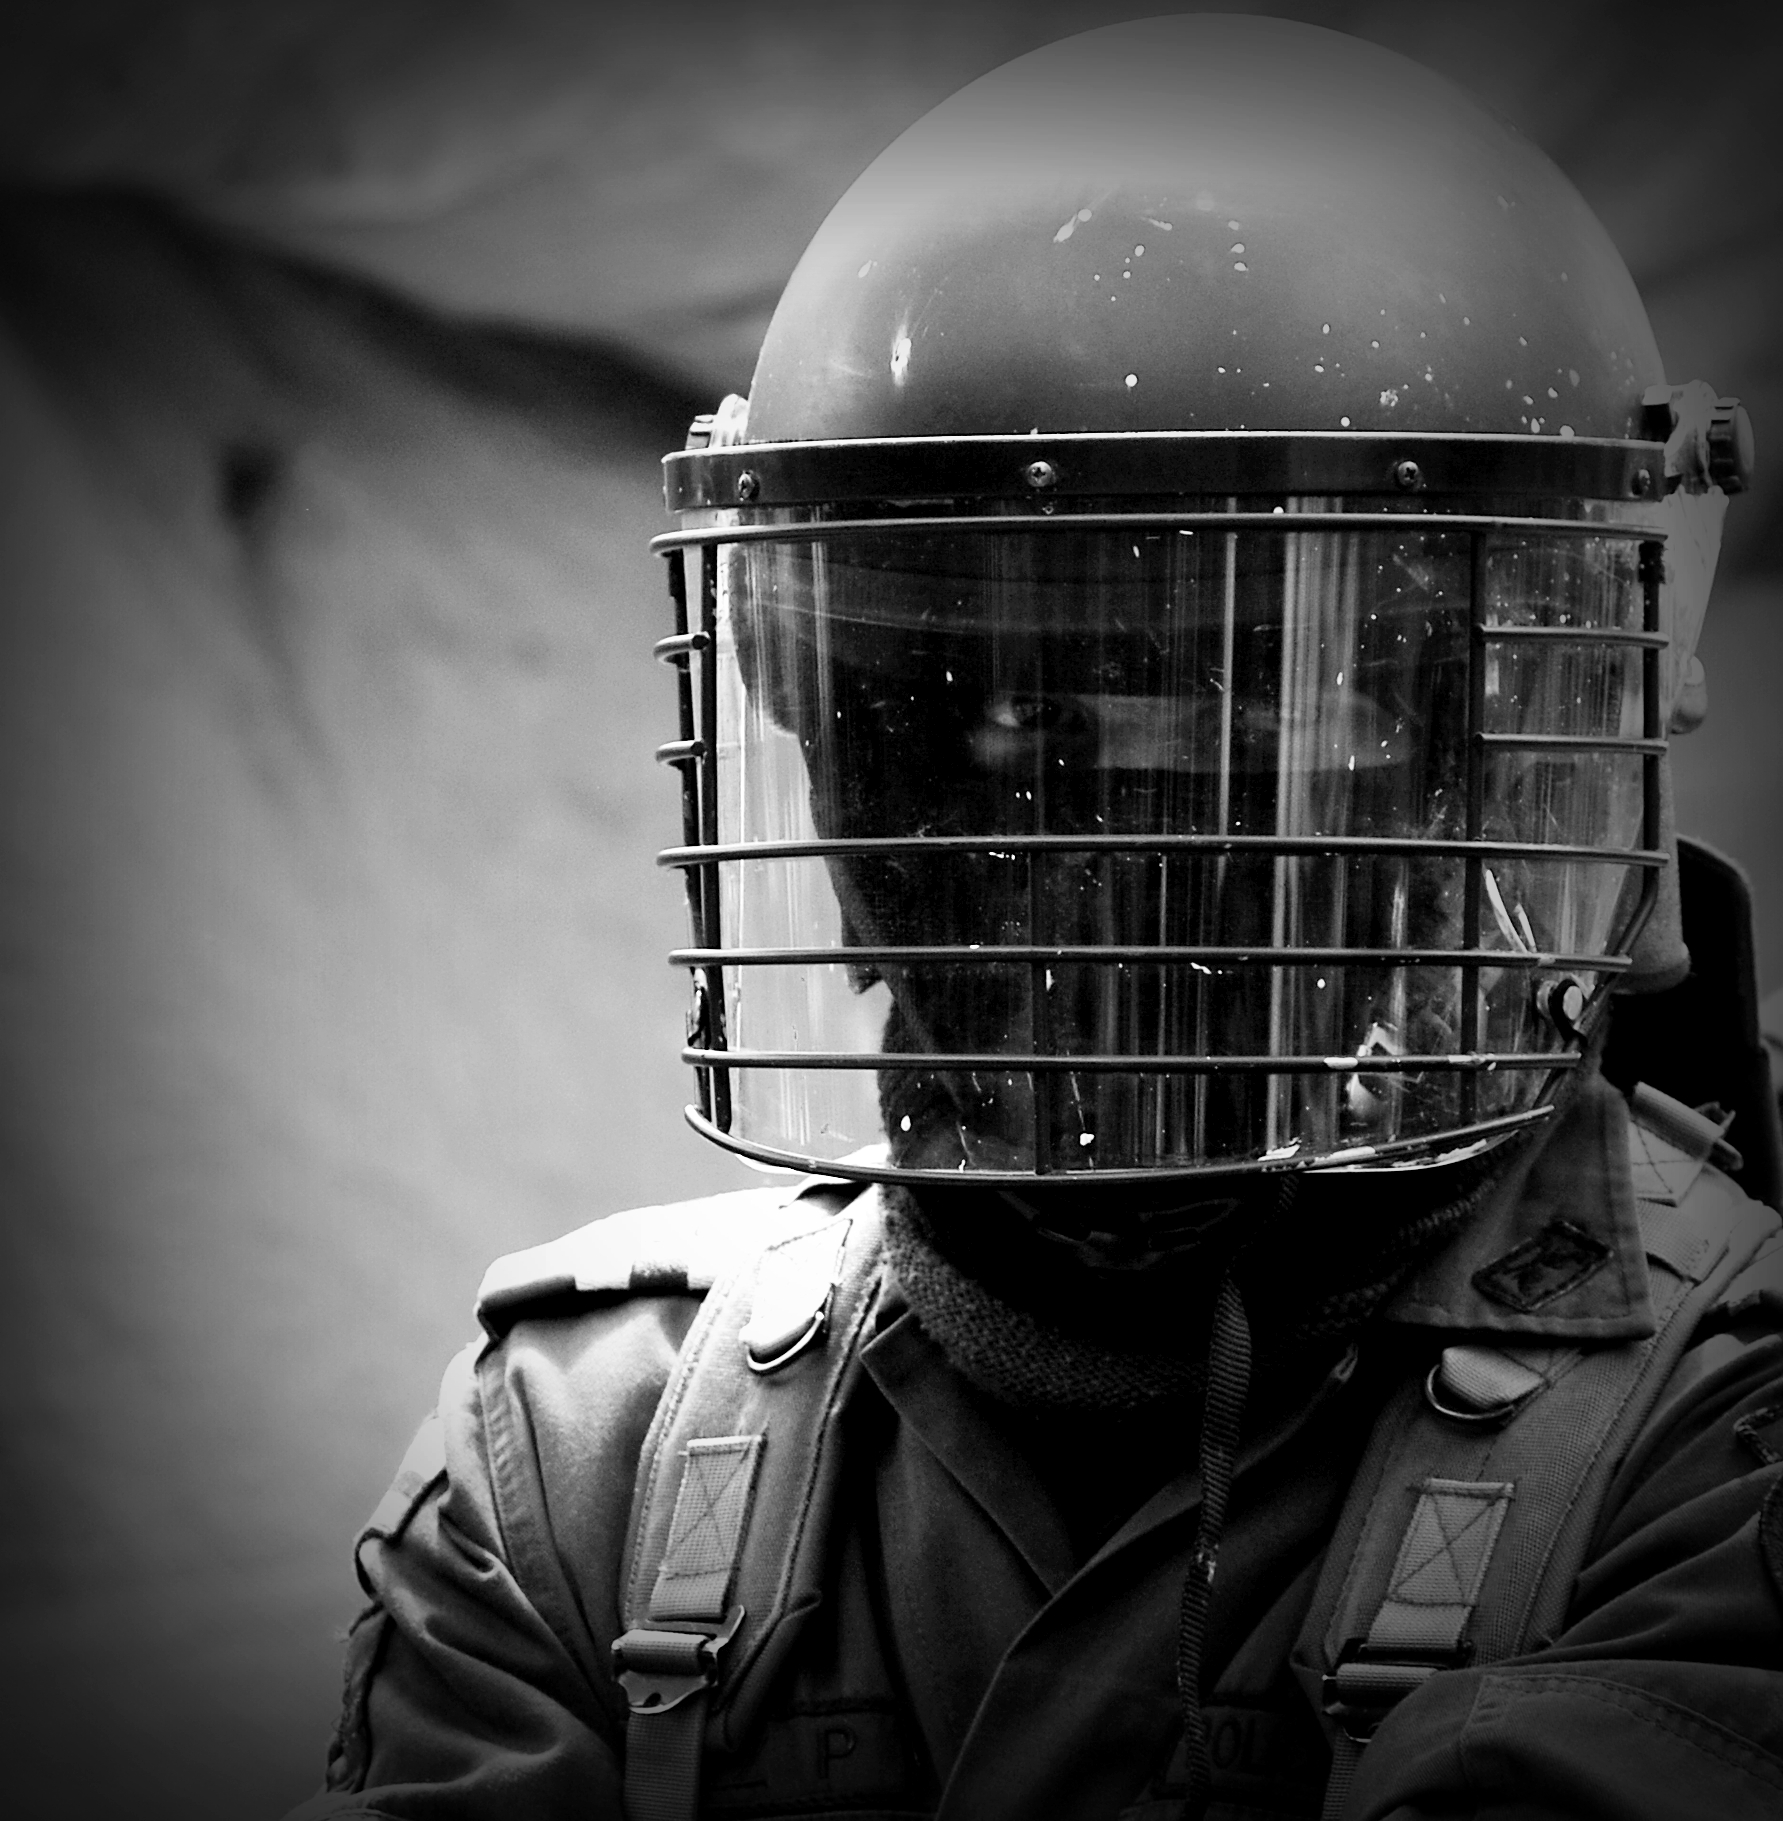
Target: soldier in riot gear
{"x":1177,"y":649}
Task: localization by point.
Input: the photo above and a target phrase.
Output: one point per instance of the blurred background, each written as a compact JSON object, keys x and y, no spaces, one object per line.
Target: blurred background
{"x":338,"y":344}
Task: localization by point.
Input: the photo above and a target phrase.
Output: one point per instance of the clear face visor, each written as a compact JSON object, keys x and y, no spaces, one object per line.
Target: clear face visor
{"x":1065,"y":851}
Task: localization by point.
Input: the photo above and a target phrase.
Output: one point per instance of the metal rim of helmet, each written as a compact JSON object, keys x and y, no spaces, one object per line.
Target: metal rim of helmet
{"x":1478,"y":485}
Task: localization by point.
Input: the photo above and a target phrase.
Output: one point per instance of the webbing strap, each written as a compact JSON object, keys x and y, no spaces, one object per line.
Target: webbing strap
{"x":668,"y":1674}
{"x":1346,"y":1755}
{"x":737,"y":1554}
{"x":1431,"y":1594}
{"x":662,"y":1761}
{"x":1669,"y":1145}
{"x":1670,"y":1142}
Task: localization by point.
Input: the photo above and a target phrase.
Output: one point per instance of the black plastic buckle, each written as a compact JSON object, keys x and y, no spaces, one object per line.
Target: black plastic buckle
{"x":659,"y":1669}
{"x":1370,"y":1680}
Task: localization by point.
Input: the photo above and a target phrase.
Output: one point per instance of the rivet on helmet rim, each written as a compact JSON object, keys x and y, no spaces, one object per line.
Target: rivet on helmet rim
{"x":1041,"y":476}
{"x":1407,"y":476}
{"x":748,"y":485}
{"x":1641,"y":484}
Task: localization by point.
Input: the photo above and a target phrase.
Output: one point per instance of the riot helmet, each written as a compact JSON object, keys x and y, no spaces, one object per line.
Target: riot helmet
{"x":1177,"y":645}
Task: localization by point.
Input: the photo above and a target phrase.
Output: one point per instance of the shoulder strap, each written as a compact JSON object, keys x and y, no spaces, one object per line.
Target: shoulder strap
{"x":1468,"y":1521}
{"x":734,"y":1488}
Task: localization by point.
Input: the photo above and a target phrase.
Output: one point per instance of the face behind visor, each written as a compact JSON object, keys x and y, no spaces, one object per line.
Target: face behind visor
{"x":1102,"y":769}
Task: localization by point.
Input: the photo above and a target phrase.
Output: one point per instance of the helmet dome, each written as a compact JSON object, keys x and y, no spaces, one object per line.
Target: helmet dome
{"x":1207,"y":221}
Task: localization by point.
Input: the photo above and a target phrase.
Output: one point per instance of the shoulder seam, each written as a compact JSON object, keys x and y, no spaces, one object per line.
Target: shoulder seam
{"x":680,"y":1249}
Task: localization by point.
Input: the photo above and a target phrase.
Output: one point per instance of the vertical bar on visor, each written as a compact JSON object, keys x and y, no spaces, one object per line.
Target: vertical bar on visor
{"x":1228,"y":642}
{"x":1652,"y":568}
{"x":1228,"y":663}
{"x":1474,"y":888}
{"x":1300,"y":574}
{"x":708,"y":770}
{"x":690,"y":790}
{"x":1652,"y":573}
{"x":1042,"y":1085}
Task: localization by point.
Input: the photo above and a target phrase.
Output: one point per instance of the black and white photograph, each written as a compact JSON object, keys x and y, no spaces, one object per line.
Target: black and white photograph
{"x":892,"y":914}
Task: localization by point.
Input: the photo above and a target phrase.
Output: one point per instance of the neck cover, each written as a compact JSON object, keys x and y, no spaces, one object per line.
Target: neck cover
{"x":1028,"y":1321}
{"x":1014,"y":1355}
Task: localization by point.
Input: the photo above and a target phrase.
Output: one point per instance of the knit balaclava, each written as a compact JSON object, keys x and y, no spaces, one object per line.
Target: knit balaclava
{"x":1028,"y":1319}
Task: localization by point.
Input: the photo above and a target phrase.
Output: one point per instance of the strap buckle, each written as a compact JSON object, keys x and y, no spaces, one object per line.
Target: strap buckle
{"x":659,"y":1669}
{"x":1369,"y":1680}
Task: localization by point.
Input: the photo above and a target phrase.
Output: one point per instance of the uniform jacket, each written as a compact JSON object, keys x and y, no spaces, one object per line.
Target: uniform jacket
{"x":968,"y":1661}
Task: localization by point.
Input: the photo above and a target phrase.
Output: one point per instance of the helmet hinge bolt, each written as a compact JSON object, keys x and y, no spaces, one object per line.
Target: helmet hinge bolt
{"x":1730,"y":446}
{"x":1408,"y":477}
{"x":1641,"y":483}
{"x":1041,"y":477}
{"x":1563,"y":1004}
{"x":748,"y":485}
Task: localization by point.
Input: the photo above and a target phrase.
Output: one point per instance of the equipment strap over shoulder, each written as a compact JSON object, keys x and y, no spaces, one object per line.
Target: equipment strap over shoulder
{"x":1469,"y":1518}
{"x":734,"y":1487}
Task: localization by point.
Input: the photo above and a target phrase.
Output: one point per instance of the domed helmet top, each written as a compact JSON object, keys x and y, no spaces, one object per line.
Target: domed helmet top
{"x":1178,"y":643}
{"x":1207,"y":223}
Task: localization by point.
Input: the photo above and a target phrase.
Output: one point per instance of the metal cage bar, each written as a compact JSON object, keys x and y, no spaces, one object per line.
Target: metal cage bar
{"x":1032,"y":1062}
{"x":1570,"y":742}
{"x":1009,"y":845}
{"x":1180,"y":464}
{"x":684,"y":753}
{"x":1132,"y":954}
{"x":717,"y":1022}
{"x":1473,"y":890}
{"x":856,"y":1169}
{"x":1041,"y":1083}
{"x":811,"y":531}
{"x":1575,"y":635}
{"x":1652,"y":570}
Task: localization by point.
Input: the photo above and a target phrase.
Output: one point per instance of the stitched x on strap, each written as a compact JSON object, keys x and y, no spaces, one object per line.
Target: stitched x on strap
{"x":706,"y":1532}
{"x":1441,"y":1563}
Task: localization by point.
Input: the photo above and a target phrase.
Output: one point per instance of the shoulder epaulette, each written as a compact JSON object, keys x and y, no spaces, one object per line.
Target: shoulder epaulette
{"x":679,"y":1249}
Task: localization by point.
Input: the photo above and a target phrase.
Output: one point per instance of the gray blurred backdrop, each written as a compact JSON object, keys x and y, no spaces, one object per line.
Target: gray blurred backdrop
{"x":338,"y":343}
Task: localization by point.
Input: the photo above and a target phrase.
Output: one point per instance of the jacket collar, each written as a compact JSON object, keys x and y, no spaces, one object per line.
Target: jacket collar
{"x":1556,"y":1254}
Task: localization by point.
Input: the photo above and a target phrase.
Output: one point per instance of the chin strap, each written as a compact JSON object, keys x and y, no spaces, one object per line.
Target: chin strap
{"x":1228,"y":1380}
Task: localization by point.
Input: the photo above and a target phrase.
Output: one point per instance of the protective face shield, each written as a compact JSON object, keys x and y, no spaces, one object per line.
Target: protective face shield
{"x":1178,"y":645}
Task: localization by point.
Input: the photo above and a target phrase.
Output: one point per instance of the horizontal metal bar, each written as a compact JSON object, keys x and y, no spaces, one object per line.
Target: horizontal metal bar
{"x":1390,"y":847}
{"x":1125,"y":954}
{"x":1482,"y":1062}
{"x":853,"y":1169}
{"x":1150,"y":464}
{"x":1436,"y":524}
{"x":1570,"y":742}
{"x":1574,"y":635}
{"x":681,"y":752}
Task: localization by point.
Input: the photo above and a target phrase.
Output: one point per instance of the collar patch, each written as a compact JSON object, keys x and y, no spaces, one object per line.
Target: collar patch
{"x":1544,"y":1268}
{"x":1558,"y":1251}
